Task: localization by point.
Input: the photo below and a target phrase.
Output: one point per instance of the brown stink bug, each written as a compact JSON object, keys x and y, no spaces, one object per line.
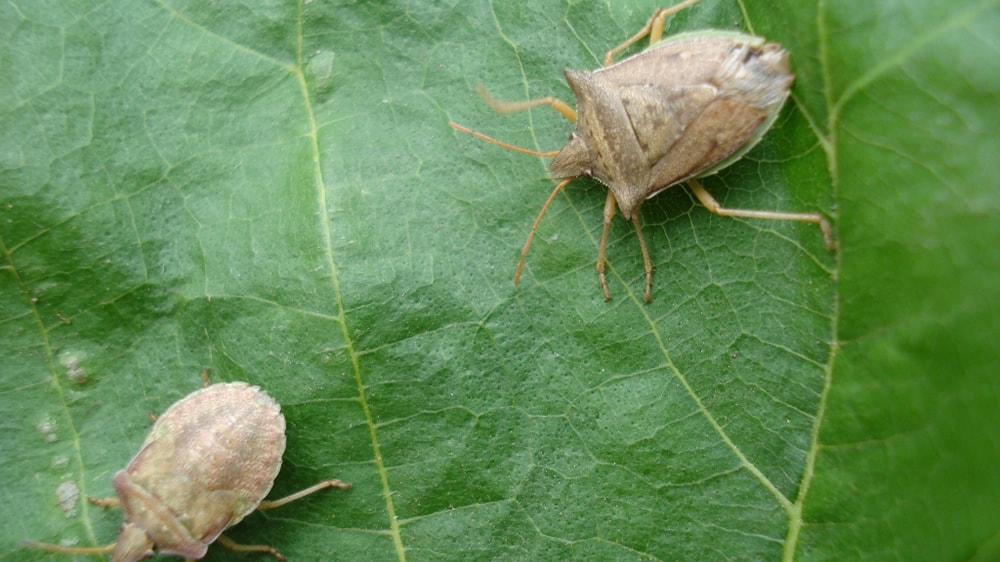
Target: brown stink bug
{"x":684,"y":108}
{"x":208,"y":461}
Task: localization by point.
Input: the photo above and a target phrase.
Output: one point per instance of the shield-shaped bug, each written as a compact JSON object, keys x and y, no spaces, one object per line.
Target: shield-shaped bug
{"x":208,"y":462}
{"x":684,"y":108}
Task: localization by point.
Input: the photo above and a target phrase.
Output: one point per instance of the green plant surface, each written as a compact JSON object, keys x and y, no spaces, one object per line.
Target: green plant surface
{"x":271,"y":190}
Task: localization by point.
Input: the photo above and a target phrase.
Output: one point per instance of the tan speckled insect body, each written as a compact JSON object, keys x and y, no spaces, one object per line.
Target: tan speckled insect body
{"x":208,"y":461}
{"x":684,"y":108}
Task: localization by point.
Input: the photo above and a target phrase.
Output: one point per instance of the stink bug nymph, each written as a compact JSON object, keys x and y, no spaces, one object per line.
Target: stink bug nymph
{"x":208,"y":461}
{"x":684,"y":108}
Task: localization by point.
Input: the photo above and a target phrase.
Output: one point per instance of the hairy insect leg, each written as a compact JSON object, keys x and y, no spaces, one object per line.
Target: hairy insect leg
{"x":271,"y":504}
{"x":712,"y":205}
{"x":534,"y":227}
{"x":237,"y":547}
{"x":609,"y":214}
{"x":104,"y":502}
{"x":507,"y":107}
{"x":58,"y":548}
{"x":647,"y":263}
{"x":653,"y":28}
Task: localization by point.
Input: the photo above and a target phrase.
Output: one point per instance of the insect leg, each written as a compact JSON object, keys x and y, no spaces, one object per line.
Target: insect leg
{"x":647,"y":263}
{"x":506,"y":107}
{"x":104,"y":502}
{"x":237,"y":547}
{"x":271,"y":504}
{"x":653,"y":28}
{"x":712,"y":205}
{"x":609,"y":213}
{"x":534,"y":227}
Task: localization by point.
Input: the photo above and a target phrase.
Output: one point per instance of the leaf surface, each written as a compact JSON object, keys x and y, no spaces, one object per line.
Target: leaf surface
{"x":273,"y":192}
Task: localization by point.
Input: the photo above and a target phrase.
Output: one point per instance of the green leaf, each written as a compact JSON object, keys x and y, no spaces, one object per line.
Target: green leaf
{"x":272,"y":191}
